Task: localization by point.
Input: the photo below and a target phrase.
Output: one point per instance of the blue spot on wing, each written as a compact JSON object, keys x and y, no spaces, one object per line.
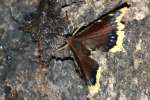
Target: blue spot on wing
{"x":117,"y":13}
{"x":92,"y":78}
{"x":112,"y":38}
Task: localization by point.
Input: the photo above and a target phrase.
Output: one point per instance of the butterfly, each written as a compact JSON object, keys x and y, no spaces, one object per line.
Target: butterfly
{"x":106,"y":31}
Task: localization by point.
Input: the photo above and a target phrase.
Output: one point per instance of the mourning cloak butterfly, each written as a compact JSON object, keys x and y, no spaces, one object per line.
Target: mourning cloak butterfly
{"x":106,"y":31}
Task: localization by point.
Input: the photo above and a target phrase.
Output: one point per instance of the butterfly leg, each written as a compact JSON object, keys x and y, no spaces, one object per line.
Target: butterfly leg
{"x":62,"y":47}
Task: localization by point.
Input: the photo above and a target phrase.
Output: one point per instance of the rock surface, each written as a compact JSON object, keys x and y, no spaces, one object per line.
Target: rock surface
{"x":126,"y":74}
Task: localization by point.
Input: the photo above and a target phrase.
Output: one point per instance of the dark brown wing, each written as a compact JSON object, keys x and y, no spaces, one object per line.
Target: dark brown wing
{"x":89,"y":67}
{"x":108,"y":31}
{"x":96,"y":35}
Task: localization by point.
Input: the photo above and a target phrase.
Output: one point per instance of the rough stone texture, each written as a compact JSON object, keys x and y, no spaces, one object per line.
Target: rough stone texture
{"x":126,"y":74}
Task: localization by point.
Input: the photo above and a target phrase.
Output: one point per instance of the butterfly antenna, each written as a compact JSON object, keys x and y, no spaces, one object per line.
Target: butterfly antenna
{"x":63,"y":46}
{"x":76,"y":30}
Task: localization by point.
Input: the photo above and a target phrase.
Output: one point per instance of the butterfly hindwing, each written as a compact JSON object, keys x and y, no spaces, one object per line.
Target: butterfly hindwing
{"x":88,"y":67}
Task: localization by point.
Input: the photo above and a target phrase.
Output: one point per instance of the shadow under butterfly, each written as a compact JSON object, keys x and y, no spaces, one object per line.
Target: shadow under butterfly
{"x":107,"y":32}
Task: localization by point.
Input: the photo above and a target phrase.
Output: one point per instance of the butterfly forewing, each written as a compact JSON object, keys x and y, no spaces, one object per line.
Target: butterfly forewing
{"x":87,"y":65}
{"x":106,"y":32}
